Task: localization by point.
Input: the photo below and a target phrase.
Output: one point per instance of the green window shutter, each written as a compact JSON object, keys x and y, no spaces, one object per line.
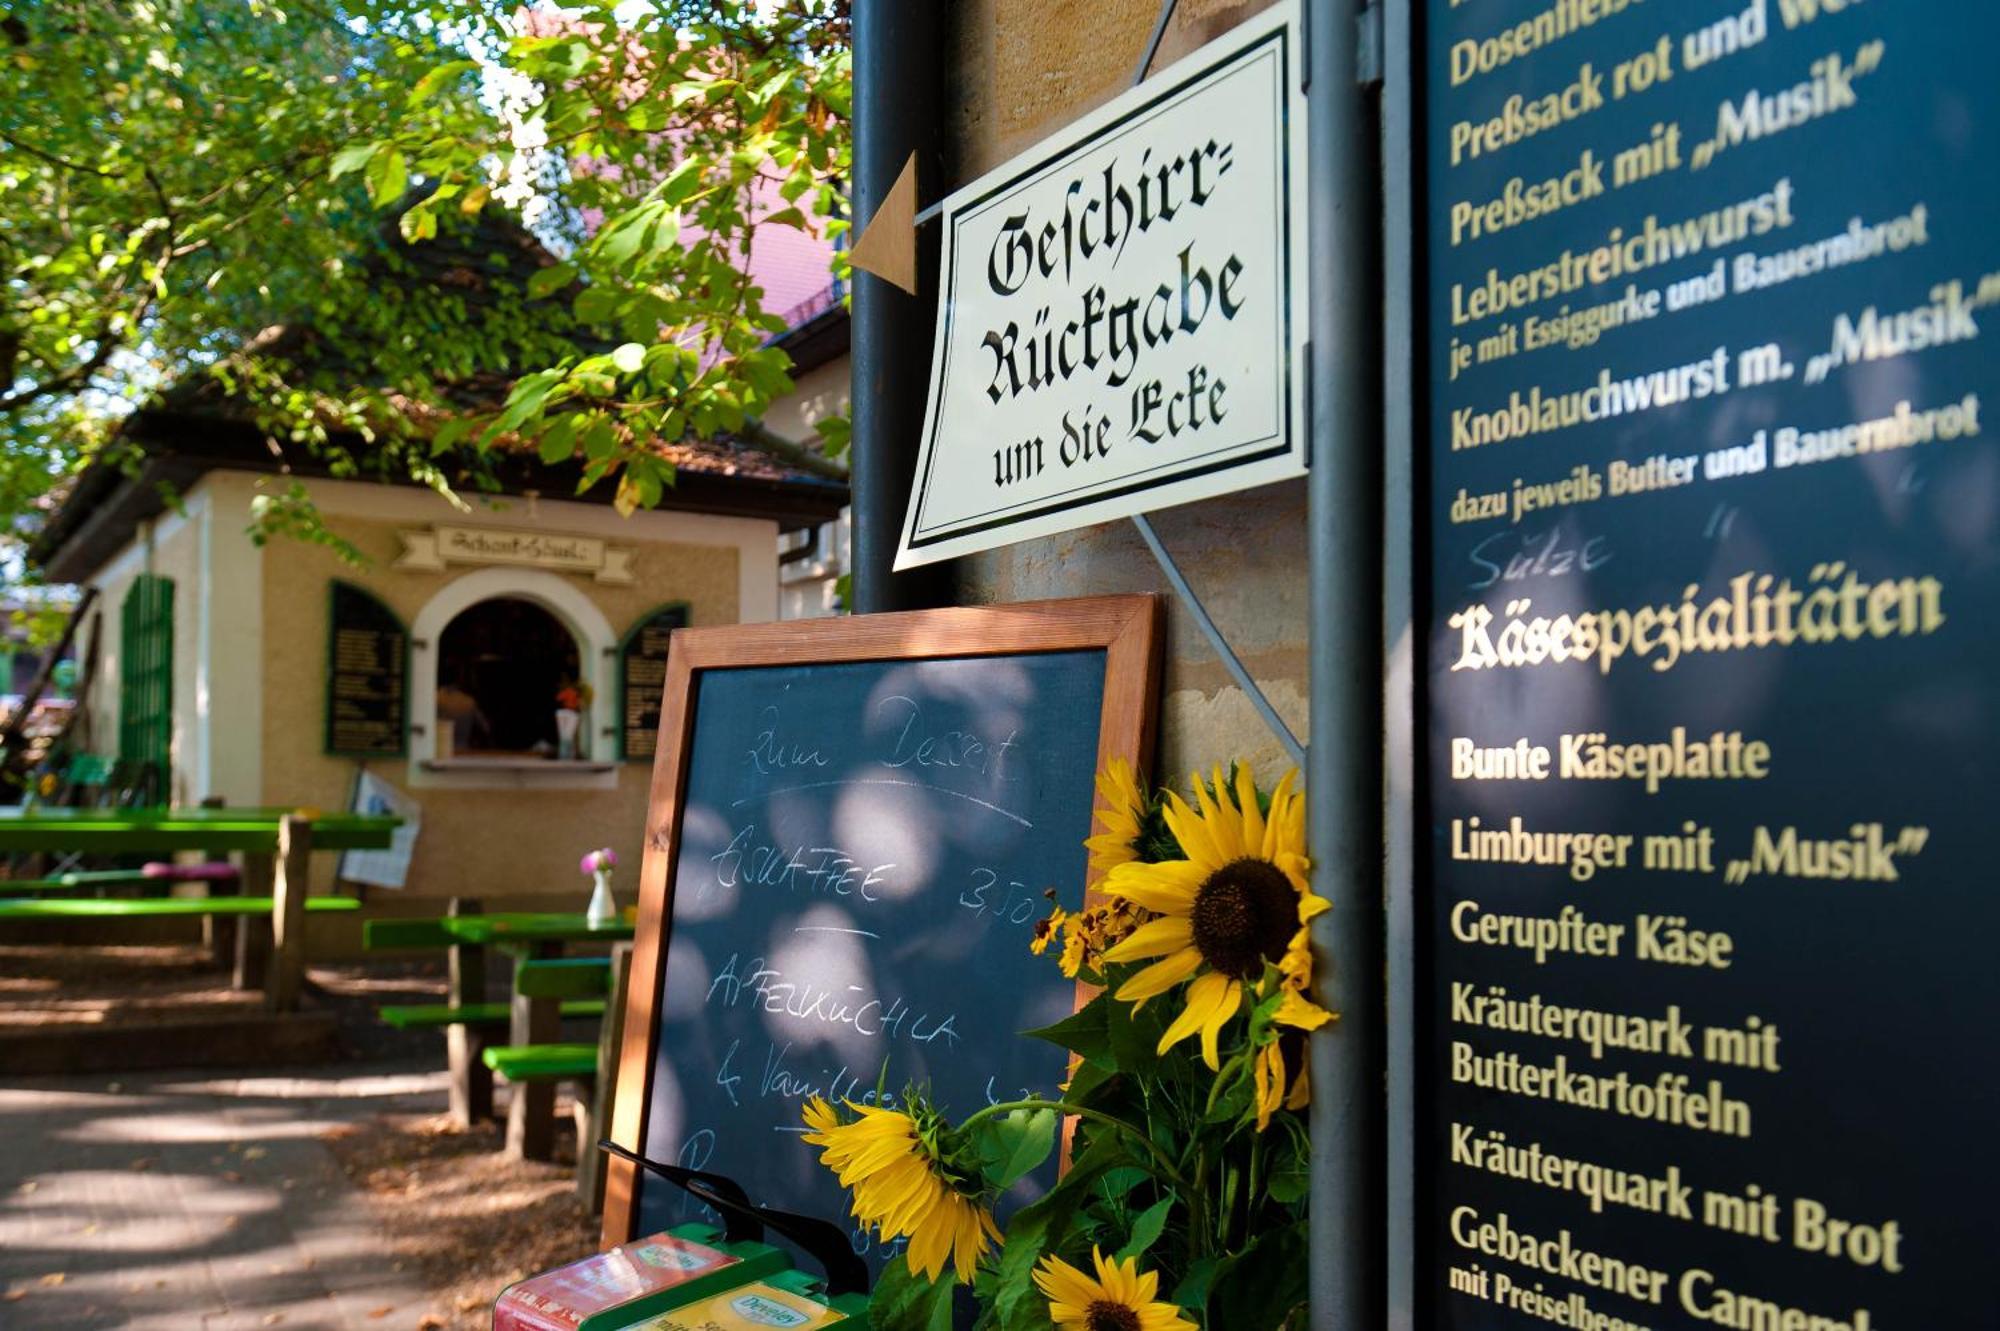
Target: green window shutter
{"x":146,"y":675}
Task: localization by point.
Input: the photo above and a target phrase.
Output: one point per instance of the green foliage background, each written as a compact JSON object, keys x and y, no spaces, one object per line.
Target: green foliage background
{"x":181,"y":177}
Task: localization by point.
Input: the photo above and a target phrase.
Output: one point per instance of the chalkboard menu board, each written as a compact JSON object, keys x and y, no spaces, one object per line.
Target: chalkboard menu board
{"x":1711,"y":708}
{"x":848,"y":883}
{"x":642,"y":673}
{"x":367,"y":697}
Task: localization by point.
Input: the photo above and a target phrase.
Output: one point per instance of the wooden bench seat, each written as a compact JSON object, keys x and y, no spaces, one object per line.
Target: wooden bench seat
{"x":157,"y":907}
{"x":543,"y":1062}
{"x":427,"y":1016}
{"x":563,"y":977}
{"x":148,"y":875}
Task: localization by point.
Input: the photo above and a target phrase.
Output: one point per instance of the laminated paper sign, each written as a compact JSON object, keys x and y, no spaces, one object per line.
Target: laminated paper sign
{"x":566,"y":1298}
{"x":1122,"y":308}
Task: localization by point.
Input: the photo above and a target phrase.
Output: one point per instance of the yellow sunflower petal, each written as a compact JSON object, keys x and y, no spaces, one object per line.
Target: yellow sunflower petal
{"x":1285,"y":828}
{"x":1163,"y":1317}
{"x":1192,"y":834}
{"x":1155,"y":938}
{"x":1301,"y":1012}
{"x":1166,"y":888}
{"x":1301,"y":1095}
{"x":1246,"y":804}
{"x":1224,"y":827}
{"x":1211,"y":1001}
{"x":1211,"y":1030}
{"x":1267,"y":1072}
{"x":1065,"y":1287}
{"x":1159,"y":977}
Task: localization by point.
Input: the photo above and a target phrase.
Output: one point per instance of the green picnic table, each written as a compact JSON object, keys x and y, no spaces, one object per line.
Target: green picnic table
{"x":532,"y":1019}
{"x":275,"y":846}
{"x":153,"y":831}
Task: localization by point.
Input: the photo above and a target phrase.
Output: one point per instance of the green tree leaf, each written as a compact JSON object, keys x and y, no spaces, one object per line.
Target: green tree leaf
{"x":558,"y":440}
{"x":387,"y":177}
{"x":351,"y":158}
{"x":547,"y":281}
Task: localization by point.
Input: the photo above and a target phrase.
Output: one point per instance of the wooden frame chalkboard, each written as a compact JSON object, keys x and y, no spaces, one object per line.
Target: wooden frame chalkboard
{"x":1125,"y":628}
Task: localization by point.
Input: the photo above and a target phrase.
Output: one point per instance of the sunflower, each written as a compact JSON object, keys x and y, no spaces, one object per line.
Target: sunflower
{"x":1119,"y":1299}
{"x":901,"y":1188}
{"x":1237,"y":902}
{"x":1123,"y":817}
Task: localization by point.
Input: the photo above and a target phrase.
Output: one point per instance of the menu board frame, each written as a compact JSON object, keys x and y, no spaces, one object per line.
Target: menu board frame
{"x":639,"y":627}
{"x":335,"y":590}
{"x":1421,"y":803}
{"x":1127,"y":629}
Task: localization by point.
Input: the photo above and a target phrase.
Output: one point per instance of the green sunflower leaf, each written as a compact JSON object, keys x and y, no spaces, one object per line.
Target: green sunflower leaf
{"x":905,"y":1301}
{"x":1046,"y":1226}
{"x":1085,"y":1032}
{"x":1290,"y":1180}
{"x":1014,"y":1144}
{"x":1147,"y":1228}
{"x":1134,"y":1032}
{"x":1261,"y":1285}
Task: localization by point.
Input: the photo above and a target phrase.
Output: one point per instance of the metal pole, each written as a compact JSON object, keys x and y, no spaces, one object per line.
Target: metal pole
{"x":1401,"y":747}
{"x":897,"y":66}
{"x":1344,"y":765}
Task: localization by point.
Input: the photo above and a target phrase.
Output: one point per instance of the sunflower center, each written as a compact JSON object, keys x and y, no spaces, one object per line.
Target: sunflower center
{"x":1104,"y":1315}
{"x":1244,"y":914}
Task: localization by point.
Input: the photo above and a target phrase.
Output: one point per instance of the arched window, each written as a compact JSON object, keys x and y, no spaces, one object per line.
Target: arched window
{"x":490,"y":655}
{"x":502,"y":667}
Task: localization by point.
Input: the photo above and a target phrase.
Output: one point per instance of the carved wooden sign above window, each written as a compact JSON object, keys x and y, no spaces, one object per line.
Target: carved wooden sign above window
{"x":433,"y":550}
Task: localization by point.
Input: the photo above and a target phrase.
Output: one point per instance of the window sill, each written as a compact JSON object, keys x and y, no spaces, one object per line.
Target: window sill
{"x":524,"y":765}
{"x":503,"y":773}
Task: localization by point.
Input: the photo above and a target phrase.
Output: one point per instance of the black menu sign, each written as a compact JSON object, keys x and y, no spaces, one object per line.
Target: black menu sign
{"x":1708,"y":977}
{"x":642,"y":673}
{"x":367,"y":667}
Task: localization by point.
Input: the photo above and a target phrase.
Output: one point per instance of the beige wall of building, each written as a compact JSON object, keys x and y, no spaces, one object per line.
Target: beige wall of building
{"x":822,"y":391}
{"x":251,"y":650}
{"x":1019,"y":71}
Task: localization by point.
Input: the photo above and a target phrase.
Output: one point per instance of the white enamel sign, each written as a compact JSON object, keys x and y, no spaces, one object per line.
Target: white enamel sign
{"x":1121,"y":321}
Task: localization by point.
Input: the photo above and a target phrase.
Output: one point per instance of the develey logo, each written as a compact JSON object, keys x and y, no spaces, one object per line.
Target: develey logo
{"x":760,"y":1311}
{"x":671,"y":1259}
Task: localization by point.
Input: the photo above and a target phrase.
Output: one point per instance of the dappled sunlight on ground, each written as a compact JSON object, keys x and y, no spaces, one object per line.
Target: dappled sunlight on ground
{"x":144,"y":1204}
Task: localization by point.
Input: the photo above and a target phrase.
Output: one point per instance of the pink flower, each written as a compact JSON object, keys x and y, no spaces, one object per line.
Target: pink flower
{"x":605,"y":858}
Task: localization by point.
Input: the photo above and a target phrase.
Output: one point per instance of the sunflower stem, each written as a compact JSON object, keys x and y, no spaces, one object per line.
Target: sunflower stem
{"x":1224,"y":1080}
{"x":1166,"y":1165}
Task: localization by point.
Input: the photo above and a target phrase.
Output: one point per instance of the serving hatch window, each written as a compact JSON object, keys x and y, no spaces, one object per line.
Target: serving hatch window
{"x":505,"y":667}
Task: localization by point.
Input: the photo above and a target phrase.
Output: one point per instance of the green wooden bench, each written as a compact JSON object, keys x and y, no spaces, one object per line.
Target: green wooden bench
{"x":150,"y":875}
{"x":563,"y":977}
{"x":276,"y":846}
{"x":157,"y":908}
{"x":543,"y":1062}
{"x":591,"y":1068}
{"x":257,"y":943}
{"x":434,"y":1016}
